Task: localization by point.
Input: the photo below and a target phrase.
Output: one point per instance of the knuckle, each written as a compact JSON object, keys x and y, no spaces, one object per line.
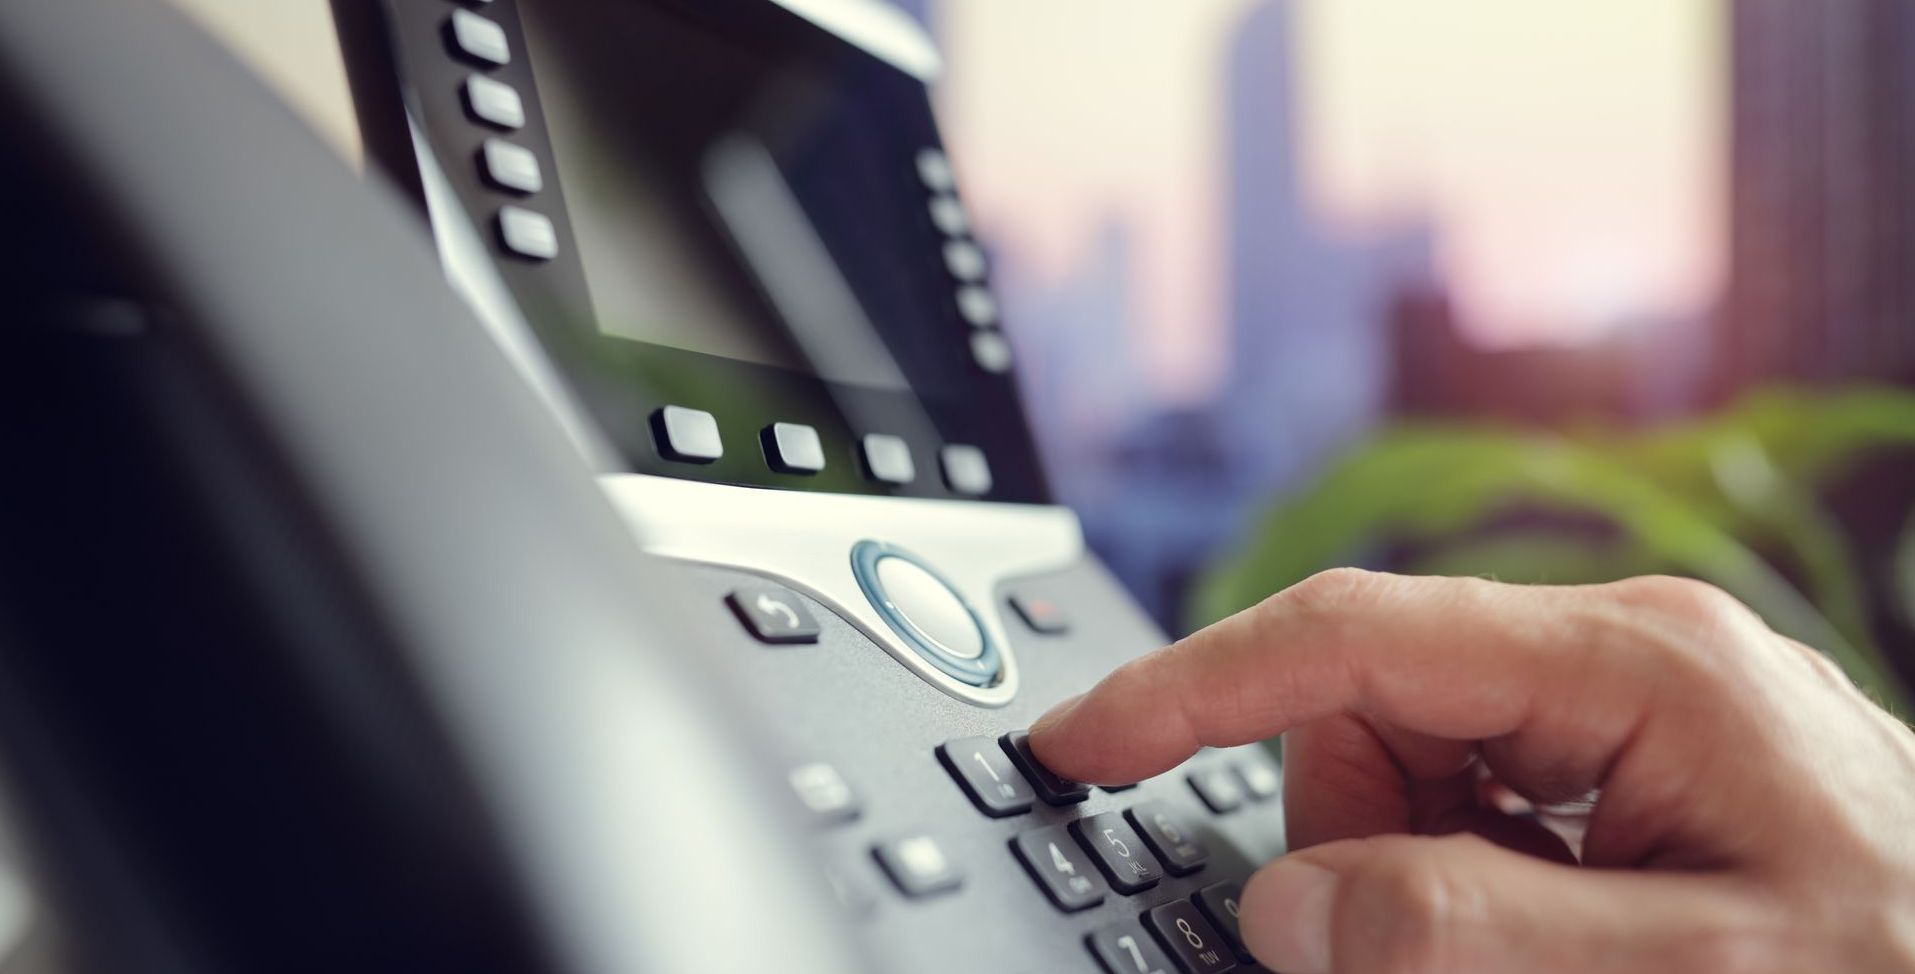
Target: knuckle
{"x":1423,"y":904}
{"x":1329,"y":590}
{"x":1688,"y":599}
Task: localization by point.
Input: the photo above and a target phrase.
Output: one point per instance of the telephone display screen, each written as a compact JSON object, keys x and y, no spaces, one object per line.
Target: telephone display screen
{"x":754,"y":238}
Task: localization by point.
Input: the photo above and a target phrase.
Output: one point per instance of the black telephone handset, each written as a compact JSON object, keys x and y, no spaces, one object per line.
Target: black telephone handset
{"x":667,"y":593}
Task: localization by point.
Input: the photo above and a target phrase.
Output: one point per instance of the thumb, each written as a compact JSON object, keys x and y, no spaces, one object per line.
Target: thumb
{"x":1460,"y":905}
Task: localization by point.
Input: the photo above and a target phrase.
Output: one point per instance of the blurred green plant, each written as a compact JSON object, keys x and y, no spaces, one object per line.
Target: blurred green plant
{"x":1706,"y":499}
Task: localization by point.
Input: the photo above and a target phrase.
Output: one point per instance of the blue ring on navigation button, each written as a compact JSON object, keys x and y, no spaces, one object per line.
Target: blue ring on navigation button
{"x":984,"y":671}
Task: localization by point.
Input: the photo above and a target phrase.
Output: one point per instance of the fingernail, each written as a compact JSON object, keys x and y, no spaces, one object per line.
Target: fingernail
{"x":1286,"y":916}
{"x":1055,"y":715}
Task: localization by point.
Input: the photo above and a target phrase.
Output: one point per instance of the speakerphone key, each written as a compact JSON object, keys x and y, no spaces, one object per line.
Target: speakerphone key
{"x":1197,"y":945}
{"x":987,"y":776}
{"x":1170,"y":837}
{"x":1060,"y":868}
{"x":1052,"y":787}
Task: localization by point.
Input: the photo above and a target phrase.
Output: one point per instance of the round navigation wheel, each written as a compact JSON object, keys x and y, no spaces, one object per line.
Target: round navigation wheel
{"x":927,"y":612}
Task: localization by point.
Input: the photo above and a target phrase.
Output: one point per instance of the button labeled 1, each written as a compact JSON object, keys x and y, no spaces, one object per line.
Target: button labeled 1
{"x":1060,"y":868}
{"x":986,"y":776}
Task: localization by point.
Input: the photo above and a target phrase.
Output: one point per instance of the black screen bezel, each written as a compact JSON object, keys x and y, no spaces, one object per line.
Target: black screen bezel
{"x":398,"y":54}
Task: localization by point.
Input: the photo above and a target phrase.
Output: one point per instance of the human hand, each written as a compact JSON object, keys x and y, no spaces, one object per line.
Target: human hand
{"x":1752,"y":810}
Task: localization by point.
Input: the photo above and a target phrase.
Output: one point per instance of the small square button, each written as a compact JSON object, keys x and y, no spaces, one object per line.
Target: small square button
{"x":1170,"y":837}
{"x":510,"y":167}
{"x":793,"y":448}
{"x":947,"y":214}
{"x":976,"y":306}
{"x":1060,"y":868}
{"x":964,"y":260}
{"x":494,"y":102}
{"x":965,"y":470}
{"x":479,"y":39}
{"x":527,"y":233}
{"x":986,"y":776}
{"x":822,"y":790}
{"x":1218,"y":788}
{"x":1183,"y":931}
{"x":774,"y":615}
{"x":1119,"y":852}
{"x":1125,"y":949}
{"x":687,"y":435}
{"x":1053,"y":788}
{"x":934,"y":170}
{"x":1260,"y":780}
{"x":991,"y":351}
{"x":887,"y":459}
{"x":1219,"y":906}
{"x":918,"y":866}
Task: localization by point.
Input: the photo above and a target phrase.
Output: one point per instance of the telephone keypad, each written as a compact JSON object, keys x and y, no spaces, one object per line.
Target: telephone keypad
{"x":1060,"y":868}
{"x":1119,"y":852}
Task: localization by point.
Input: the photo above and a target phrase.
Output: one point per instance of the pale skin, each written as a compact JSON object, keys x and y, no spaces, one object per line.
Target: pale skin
{"x":1747,"y":809}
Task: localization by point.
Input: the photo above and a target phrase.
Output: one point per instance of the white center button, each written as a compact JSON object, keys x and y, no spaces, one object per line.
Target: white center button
{"x":931,"y":608}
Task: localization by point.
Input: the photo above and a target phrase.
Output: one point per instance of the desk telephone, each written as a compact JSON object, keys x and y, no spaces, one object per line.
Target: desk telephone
{"x":668,"y":592}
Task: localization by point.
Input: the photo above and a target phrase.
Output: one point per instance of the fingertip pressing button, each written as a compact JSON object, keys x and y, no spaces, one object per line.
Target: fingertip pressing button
{"x":1053,"y":788}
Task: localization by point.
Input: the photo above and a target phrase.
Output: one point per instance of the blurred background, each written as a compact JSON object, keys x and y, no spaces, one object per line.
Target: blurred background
{"x":1543,"y":292}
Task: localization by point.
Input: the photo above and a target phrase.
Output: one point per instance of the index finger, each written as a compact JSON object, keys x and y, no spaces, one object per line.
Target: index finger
{"x":1463,"y":659}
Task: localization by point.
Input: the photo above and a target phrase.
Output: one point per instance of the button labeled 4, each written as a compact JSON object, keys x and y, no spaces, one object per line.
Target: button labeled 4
{"x":1059,"y":868}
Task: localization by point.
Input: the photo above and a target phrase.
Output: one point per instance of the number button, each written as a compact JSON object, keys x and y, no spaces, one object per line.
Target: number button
{"x":986,"y":776}
{"x":1060,"y":868}
{"x":1218,"y":788}
{"x":1118,"y":851}
{"x":1219,"y":904}
{"x":1053,"y":788}
{"x":1126,"y":949}
{"x":1198,"y":947}
{"x":1170,"y":837}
